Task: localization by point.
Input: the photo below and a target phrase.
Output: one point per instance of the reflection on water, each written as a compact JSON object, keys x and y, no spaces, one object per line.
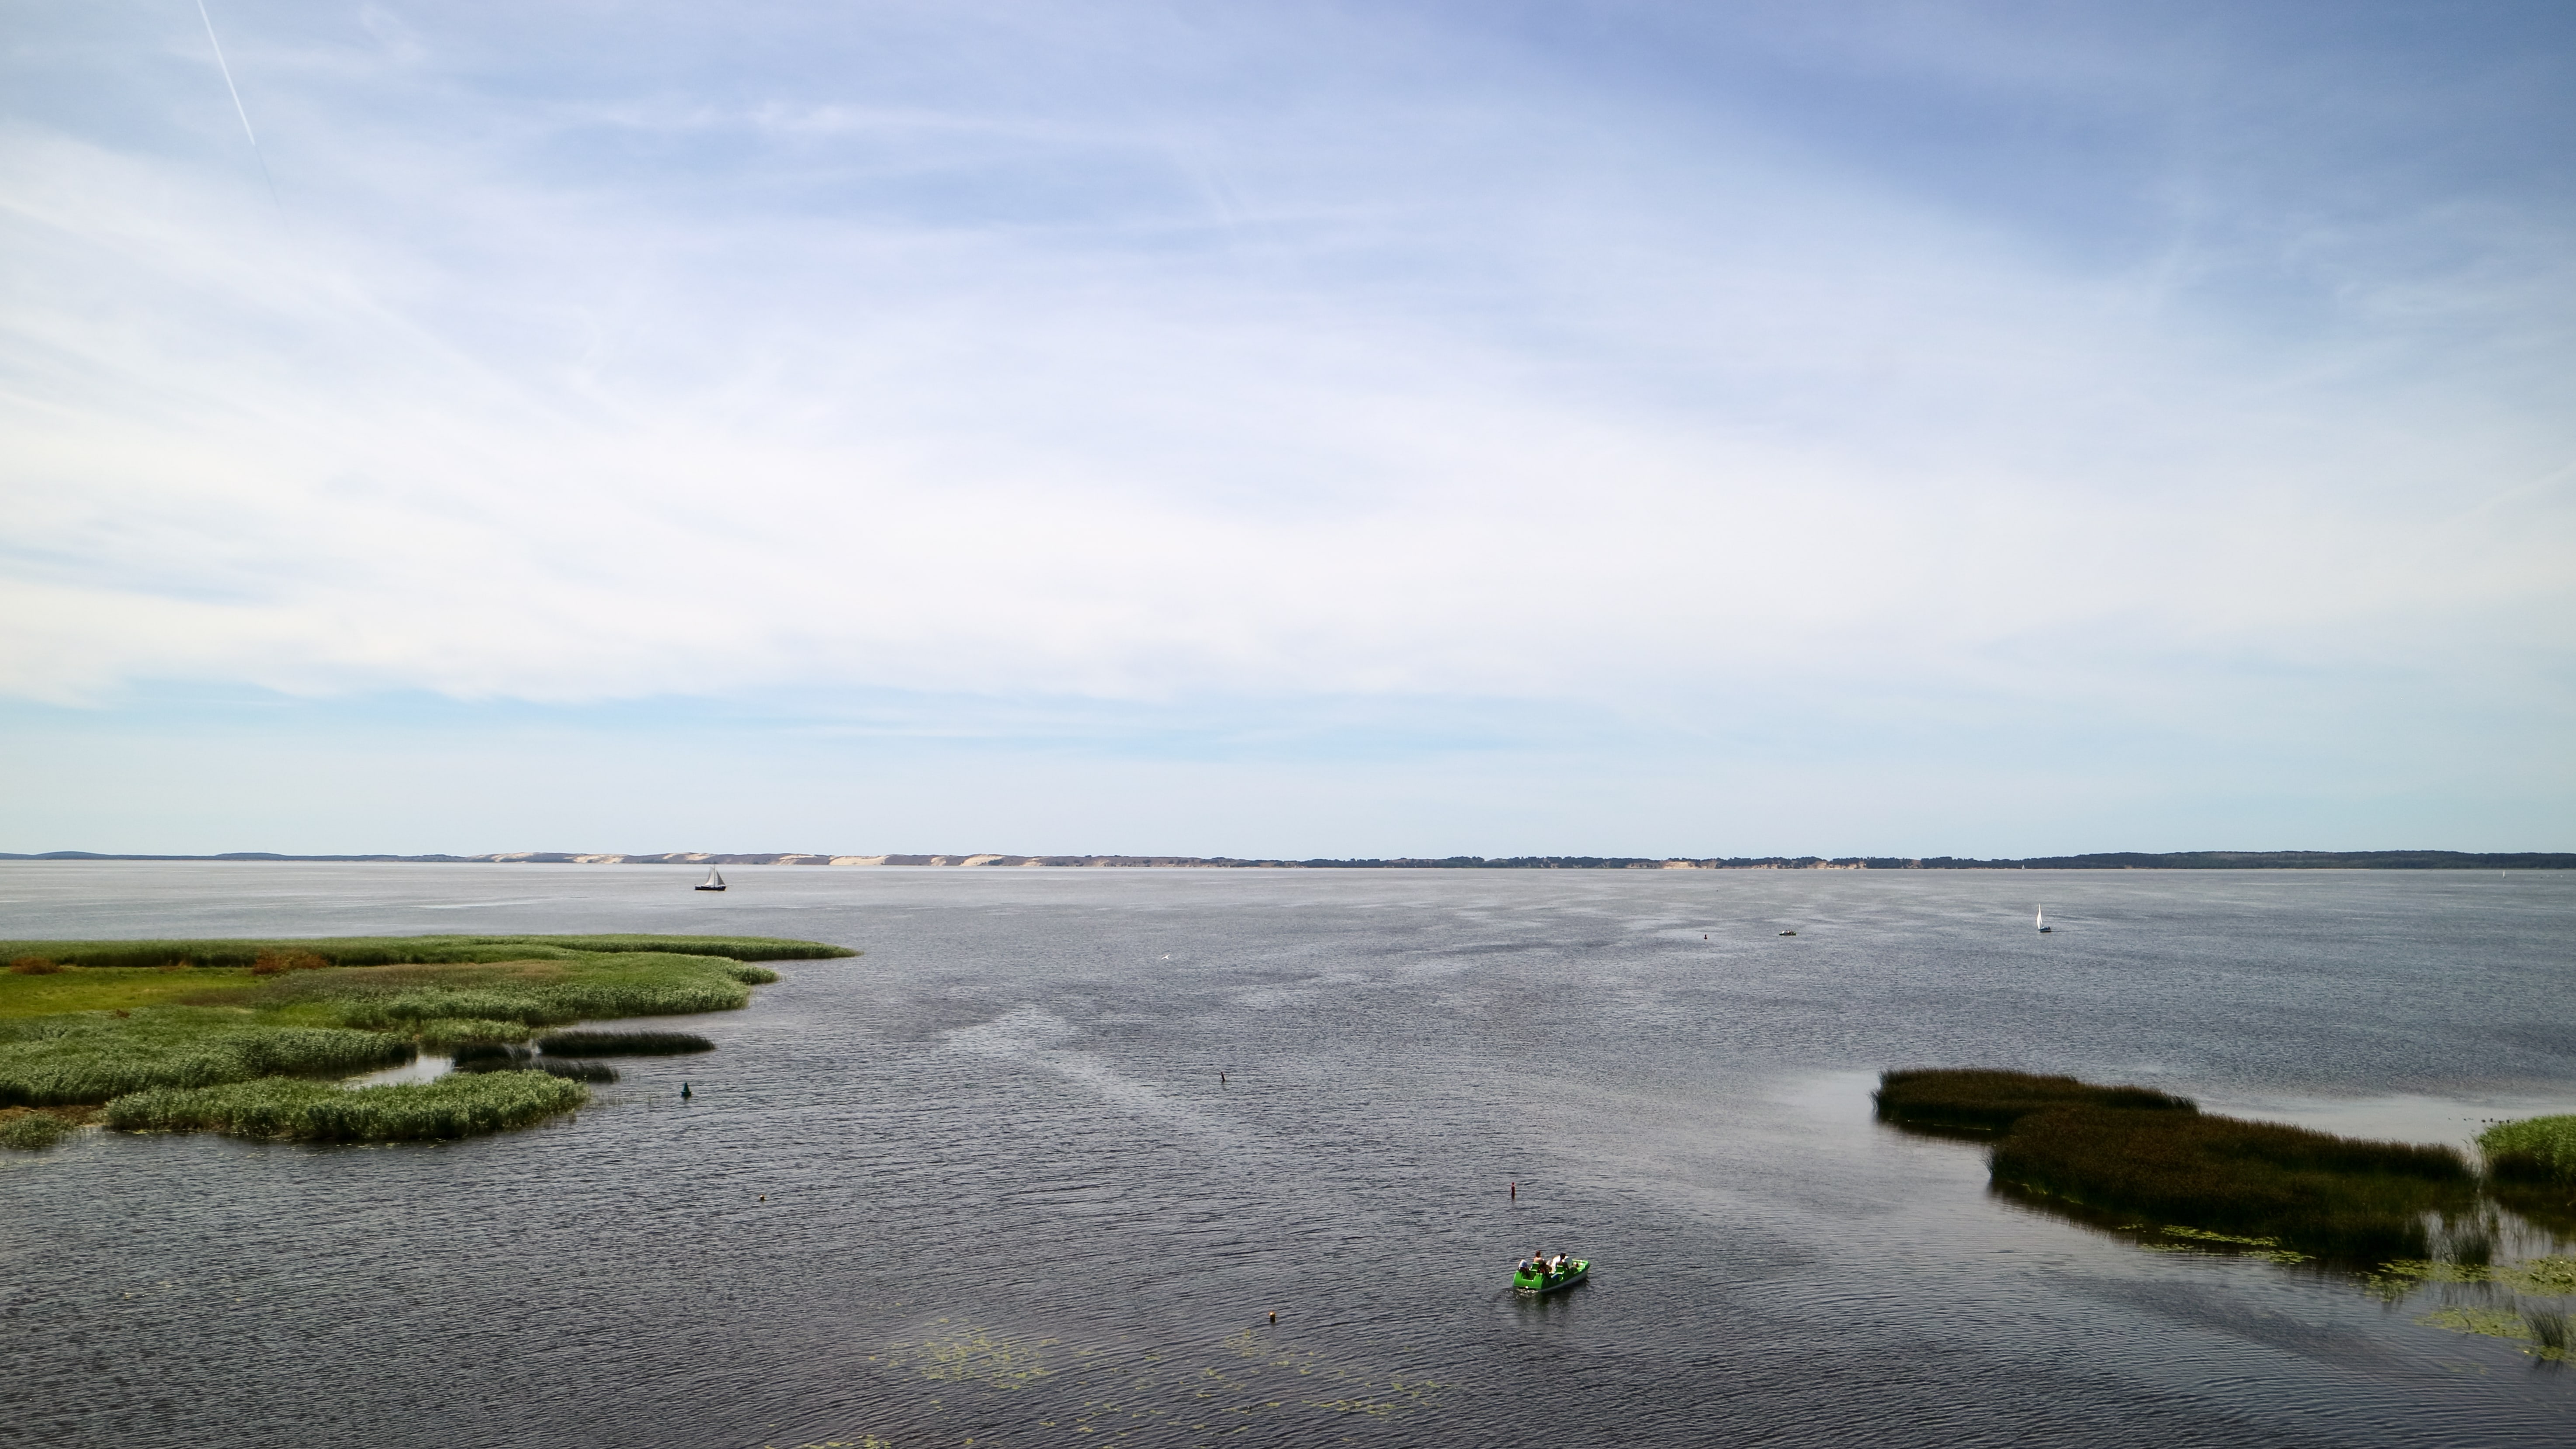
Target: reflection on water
{"x":423,"y":1068}
{"x":984,"y":1184}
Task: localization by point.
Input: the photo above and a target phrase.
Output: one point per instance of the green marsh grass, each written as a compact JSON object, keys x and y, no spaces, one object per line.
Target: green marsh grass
{"x":34,"y":1131}
{"x":462,"y":1033}
{"x":2332,"y":1197}
{"x":412,"y":950}
{"x":1981,"y":1102}
{"x":2108,"y":1154}
{"x":2534,"y":1150}
{"x":284,"y":1107}
{"x":622,"y":1044}
{"x":119,"y":1019}
{"x":495,"y":1058}
{"x":88,"y":1059}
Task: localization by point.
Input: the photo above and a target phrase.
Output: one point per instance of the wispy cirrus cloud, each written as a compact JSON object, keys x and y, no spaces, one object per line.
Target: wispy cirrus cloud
{"x":1649,"y":362}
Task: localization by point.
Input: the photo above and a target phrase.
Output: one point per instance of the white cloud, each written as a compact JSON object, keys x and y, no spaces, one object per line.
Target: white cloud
{"x":627,"y":390}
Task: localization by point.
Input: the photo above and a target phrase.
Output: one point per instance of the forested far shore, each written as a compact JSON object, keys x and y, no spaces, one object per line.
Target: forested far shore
{"x":2111,"y":860}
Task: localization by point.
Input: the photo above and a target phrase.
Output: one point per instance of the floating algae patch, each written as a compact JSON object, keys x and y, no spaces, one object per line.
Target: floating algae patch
{"x":1249,"y":1385}
{"x":2101,"y":1154}
{"x":972,"y":1355}
{"x":2553,"y":1276}
{"x":2544,"y":1329}
{"x":2171,"y":1239}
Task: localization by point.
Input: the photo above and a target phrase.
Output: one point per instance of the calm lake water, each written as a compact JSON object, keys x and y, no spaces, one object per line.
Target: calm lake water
{"x":983,"y":1183}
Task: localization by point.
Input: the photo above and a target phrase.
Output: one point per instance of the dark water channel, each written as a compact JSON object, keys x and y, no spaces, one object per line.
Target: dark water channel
{"x":983,"y":1183}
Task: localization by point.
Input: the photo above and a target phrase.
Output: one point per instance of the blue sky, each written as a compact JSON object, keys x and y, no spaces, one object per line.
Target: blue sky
{"x":1288,"y":429}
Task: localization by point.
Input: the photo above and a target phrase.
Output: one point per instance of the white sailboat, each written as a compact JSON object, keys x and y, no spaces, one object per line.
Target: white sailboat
{"x":714,"y":880}
{"x":2041,"y":921}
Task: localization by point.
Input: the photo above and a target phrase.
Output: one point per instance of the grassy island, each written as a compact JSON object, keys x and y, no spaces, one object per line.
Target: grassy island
{"x":2126,"y":1153}
{"x":236,"y":1035}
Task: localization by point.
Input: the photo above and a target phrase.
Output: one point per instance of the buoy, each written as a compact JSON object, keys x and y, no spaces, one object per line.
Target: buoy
{"x":1220,"y":1079}
{"x":684,"y":1091}
{"x":1516,"y":1189}
{"x":1274,"y":1315}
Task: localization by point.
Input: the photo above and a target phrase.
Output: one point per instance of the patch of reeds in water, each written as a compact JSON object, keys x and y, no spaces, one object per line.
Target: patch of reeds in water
{"x":1980,"y":1101}
{"x":2533,"y":1150}
{"x":494,"y":1057}
{"x":2333,"y":1197}
{"x":278,"y":1107}
{"x":88,"y":1059}
{"x":2131,"y":1152}
{"x":34,"y":1131}
{"x":445,"y":1033}
{"x":622,"y":1044}
{"x":395,"y":950}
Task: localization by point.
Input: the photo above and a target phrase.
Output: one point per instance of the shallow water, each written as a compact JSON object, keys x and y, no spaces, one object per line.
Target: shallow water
{"x":983,"y":1181}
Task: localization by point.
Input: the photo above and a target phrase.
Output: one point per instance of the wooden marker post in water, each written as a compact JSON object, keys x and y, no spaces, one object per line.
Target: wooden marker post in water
{"x":1516,"y":1189}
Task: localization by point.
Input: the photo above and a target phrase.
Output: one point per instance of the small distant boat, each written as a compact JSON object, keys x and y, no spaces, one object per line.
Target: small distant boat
{"x":1532,"y":1276}
{"x":713,"y":882}
{"x":2041,"y":921}
{"x":1788,"y":933}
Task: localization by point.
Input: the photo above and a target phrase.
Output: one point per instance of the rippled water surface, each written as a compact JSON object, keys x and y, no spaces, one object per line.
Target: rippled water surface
{"x":983,"y":1183}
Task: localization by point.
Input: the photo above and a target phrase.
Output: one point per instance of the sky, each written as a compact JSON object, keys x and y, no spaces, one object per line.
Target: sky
{"x":1287,"y":429}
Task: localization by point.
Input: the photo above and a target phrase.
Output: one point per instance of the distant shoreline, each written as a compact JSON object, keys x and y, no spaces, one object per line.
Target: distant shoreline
{"x":2117,"y":860}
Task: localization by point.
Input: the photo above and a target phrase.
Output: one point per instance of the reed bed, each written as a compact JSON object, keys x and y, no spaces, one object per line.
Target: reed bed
{"x":2332,"y":1197}
{"x":460,"y":1033}
{"x":277,"y":1107}
{"x":622,"y":1044}
{"x":531,"y":993}
{"x":495,"y":1058}
{"x":2114,"y":1153}
{"x":50,"y":1061}
{"x":1981,"y":1101}
{"x":404,"y":950}
{"x":2534,"y":1150}
{"x":34,"y":1131}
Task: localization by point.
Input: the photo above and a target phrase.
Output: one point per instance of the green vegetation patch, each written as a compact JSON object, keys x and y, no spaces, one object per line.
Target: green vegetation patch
{"x":406,"y":950}
{"x":279,"y":1107}
{"x":2285,"y":1193}
{"x":49,"y":1061}
{"x":2545,"y":1329}
{"x":130,"y":1023}
{"x":2316,"y":1193}
{"x":34,"y":1131}
{"x":1973,"y":1100}
{"x":623,"y":1044}
{"x":2535,"y":1149}
{"x":114,"y":989}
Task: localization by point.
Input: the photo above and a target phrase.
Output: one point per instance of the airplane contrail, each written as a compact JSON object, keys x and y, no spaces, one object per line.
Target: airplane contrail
{"x":238,"y":108}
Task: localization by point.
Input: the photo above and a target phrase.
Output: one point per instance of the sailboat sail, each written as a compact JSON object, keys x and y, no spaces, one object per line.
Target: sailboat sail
{"x":714,"y":880}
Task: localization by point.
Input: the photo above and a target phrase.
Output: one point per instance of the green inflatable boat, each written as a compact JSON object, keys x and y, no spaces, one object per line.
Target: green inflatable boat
{"x":1532,"y":1276}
